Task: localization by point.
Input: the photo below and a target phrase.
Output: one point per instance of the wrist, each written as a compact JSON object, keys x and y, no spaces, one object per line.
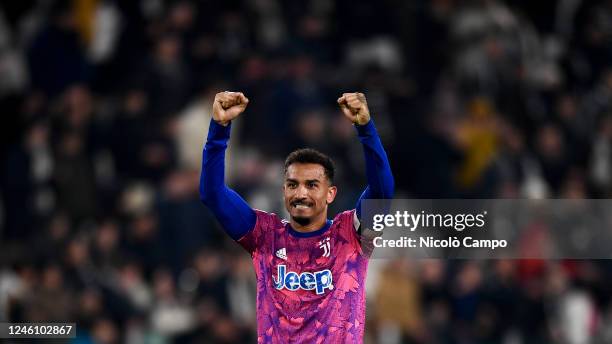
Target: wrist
{"x":217,"y":130}
{"x":362,"y":123}
{"x":367,"y":129}
{"x":222,"y":123}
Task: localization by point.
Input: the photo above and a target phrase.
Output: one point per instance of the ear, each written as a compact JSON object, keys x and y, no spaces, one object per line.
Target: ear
{"x":331,"y":194}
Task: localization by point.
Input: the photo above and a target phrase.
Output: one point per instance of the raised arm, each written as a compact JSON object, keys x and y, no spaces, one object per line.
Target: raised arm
{"x":380,"y":179}
{"x":234,"y":214}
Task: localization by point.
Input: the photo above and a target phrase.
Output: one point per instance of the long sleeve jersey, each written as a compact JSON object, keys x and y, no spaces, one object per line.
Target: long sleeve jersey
{"x":310,"y":286}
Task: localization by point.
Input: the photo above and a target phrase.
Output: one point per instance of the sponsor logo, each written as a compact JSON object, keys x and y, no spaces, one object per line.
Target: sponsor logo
{"x":318,"y":281}
{"x":282,"y":253}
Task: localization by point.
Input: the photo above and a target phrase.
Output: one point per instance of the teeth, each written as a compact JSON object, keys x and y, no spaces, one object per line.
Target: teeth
{"x":301,"y":206}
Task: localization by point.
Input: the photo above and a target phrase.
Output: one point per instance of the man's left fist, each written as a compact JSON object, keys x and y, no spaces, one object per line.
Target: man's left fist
{"x":355,"y":107}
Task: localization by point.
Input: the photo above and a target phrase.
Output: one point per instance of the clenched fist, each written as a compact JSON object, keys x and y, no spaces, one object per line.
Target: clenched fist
{"x":355,"y":107}
{"x":228,"y":105}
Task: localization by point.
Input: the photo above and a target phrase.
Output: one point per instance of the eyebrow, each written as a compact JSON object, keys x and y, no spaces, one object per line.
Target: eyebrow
{"x":307,"y":181}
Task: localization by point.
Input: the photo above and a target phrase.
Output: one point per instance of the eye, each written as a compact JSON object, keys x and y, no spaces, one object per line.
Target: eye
{"x":291,"y":185}
{"x":312,"y":185}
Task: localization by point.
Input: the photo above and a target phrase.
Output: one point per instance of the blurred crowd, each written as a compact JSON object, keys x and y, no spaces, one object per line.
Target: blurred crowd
{"x":106,"y":106}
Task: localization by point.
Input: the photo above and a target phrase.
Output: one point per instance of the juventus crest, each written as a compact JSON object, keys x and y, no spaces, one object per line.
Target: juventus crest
{"x":325,"y":246}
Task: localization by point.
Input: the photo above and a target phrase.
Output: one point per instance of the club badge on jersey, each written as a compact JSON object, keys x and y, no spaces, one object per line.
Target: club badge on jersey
{"x":318,"y":281}
{"x":325,"y":246}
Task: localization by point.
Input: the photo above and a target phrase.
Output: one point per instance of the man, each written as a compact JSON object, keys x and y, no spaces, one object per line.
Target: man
{"x":310,"y":271}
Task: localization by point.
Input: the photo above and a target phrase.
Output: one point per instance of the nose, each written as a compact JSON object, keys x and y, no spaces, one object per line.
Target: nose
{"x":301,"y":192}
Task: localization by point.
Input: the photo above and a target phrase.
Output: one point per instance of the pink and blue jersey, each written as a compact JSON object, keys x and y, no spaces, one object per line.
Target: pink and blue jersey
{"x":310,"y":286}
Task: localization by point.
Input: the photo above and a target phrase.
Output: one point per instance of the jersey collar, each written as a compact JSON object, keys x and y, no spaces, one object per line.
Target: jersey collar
{"x":319,"y":231}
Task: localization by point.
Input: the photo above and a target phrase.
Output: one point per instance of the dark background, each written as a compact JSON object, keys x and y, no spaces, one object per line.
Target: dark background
{"x":105,"y":106}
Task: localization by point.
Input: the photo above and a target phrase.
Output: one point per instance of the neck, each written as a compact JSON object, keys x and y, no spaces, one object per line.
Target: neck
{"x":314,"y":225}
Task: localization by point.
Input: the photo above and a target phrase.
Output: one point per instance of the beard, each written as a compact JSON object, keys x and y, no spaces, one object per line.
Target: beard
{"x":303,"y":221}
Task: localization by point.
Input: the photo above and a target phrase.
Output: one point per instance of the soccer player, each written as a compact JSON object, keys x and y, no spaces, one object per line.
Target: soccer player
{"x":310,"y":270}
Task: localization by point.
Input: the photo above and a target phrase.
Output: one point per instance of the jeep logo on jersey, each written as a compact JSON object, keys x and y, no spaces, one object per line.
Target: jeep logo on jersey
{"x":319,"y":281}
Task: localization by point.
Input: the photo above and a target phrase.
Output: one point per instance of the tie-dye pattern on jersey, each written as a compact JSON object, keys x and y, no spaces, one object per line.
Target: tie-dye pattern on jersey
{"x":309,"y":289}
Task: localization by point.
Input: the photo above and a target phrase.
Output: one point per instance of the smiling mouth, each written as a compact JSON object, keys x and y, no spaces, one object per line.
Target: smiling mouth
{"x":301,"y":205}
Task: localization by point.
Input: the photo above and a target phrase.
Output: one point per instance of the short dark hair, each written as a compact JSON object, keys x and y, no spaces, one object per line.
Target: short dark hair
{"x":312,"y":156}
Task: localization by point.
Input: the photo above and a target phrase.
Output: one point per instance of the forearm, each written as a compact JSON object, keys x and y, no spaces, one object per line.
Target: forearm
{"x":378,"y":171}
{"x":234,"y":214}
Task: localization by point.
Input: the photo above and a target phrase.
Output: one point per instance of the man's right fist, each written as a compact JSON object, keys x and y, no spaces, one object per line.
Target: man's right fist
{"x":228,"y":105}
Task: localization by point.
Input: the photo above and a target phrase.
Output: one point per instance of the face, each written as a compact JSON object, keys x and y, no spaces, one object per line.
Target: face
{"x":307,"y":192}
